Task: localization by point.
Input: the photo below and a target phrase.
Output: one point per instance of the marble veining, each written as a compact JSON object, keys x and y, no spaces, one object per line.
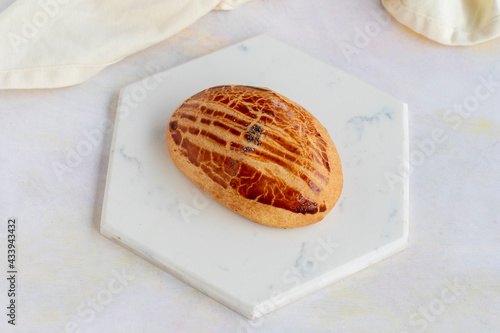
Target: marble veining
{"x":132,"y":159}
{"x":153,"y":209}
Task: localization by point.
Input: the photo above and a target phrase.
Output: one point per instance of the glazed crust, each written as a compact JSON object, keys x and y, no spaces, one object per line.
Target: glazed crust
{"x":258,"y":153}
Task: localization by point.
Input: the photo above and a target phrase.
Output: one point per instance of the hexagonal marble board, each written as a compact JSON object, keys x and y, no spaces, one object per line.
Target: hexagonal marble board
{"x":151,"y":208}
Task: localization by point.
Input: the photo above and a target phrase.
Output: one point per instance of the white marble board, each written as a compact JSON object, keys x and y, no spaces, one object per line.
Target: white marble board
{"x":151,"y":208}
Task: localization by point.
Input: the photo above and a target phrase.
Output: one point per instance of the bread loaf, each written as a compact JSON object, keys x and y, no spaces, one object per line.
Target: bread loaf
{"x":257,"y":153}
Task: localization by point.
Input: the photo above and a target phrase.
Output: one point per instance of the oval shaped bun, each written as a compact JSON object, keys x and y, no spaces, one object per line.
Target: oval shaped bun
{"x":257,"y":153}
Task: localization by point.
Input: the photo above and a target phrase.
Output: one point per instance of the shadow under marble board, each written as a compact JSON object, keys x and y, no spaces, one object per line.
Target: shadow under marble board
{"x":151,"y":208}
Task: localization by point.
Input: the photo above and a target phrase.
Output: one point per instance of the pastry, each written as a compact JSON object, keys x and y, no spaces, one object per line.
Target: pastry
{"x":258,"y":153}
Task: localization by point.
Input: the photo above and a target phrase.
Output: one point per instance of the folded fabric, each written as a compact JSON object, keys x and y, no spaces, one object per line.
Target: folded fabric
{"x":449,"y":22}
{"x":58,"y":43}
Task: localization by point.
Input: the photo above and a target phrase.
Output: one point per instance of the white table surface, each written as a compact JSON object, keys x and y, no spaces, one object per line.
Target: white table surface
{"x":65,"y":265}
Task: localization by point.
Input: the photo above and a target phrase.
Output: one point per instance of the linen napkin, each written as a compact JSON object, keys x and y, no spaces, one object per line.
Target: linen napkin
{"x":58,"y":43}
{"x":449,"y":22}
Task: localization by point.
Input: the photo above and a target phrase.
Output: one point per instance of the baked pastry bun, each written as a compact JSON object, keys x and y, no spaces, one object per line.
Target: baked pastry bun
{"x":258,"y":153}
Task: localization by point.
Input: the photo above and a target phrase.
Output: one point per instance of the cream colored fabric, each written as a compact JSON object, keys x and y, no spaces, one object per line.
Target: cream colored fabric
{"x":450,"y":22}
{"x":57,"y":43}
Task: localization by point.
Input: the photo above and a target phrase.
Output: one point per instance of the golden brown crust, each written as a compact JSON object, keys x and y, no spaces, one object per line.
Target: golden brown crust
{"x":258,"y":153}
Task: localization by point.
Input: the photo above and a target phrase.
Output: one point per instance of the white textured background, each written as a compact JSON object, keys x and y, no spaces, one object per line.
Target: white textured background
{"x":454,"y":190}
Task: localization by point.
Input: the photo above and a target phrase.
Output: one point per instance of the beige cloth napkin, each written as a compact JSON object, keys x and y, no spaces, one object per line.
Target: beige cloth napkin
{"x":450,"y":22}
{"x":58,"y":43}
